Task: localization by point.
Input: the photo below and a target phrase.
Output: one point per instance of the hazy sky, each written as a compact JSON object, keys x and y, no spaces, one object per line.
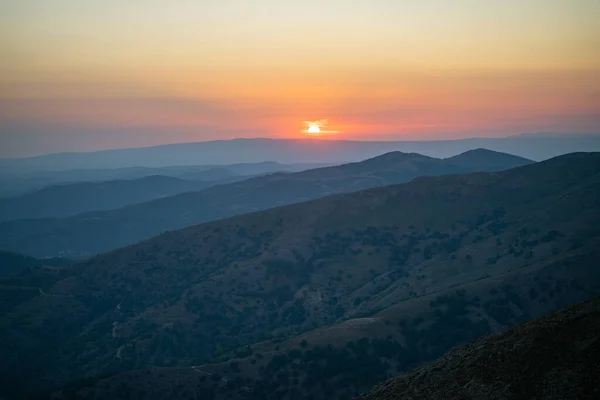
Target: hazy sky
{"x":89,"y":74}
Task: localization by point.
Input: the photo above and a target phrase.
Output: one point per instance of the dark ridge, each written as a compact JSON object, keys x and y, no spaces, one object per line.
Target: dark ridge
{"x":554,"y":357}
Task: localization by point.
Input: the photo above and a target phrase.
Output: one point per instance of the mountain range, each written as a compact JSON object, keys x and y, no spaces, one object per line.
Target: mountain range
{"x":15,"y":182}
{"x":321,"y":299}
{"x":75,"y":198}
{"x":533,"y":146}
{"x":94,"y":232}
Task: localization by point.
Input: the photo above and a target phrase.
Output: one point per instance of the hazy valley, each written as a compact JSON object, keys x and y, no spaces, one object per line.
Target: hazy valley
{"x":94,"y":232}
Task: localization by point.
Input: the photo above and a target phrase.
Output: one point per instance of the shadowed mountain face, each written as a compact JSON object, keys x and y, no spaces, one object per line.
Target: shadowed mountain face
{"x":94,"y":232}
{"x":555,"y":357}
{"x":316,"y":300}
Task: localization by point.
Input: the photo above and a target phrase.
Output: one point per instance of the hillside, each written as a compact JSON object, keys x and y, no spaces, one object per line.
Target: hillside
{"x":22,"y":277}
{"x":414,"y":269}
{"x":524,"y":362}
{"x":555,"y":357}
{"x":95,"y":232}
{"x":70,"y":199}
{"x":341,"y":361}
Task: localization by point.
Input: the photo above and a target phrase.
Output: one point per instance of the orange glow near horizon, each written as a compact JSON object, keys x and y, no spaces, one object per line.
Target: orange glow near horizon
{"x":378,"y":70}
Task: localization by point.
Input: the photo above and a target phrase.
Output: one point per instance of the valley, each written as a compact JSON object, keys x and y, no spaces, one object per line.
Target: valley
{"x":90,"y":233}
{"x":290,"y":301}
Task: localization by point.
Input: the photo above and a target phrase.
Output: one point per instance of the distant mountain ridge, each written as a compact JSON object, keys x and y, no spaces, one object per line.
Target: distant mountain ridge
{"x":535,"y":147}
{"x":90,"y":233}
{"x":15,"y":182}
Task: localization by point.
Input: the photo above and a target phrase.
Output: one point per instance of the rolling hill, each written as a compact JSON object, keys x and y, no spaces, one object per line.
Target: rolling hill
{"x":91,"y":233}
{"x":70,"y":199}
{"x":321,"y":299}
{"x":486,"y":160}
{"x":18,"y":182}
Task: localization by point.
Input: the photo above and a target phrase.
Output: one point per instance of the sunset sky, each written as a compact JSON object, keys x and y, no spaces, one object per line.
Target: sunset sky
{"x":89,"y":74}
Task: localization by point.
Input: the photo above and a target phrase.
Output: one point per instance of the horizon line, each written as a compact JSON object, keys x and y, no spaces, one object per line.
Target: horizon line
{"x":309,"y":138}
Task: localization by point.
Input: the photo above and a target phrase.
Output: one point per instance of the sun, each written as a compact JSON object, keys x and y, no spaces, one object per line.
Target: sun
{"x":313,"y":129}
{"x":317,"y":128}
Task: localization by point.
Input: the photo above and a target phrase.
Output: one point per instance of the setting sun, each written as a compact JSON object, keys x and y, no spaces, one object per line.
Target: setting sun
{"x":314,"y":129}
{"x":317,"y":128}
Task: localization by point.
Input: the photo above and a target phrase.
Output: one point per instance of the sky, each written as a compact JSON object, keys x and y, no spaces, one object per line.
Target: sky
{"x":88,"y":75}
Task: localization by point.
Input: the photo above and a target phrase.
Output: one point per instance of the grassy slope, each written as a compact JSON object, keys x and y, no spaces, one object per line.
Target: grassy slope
{"x":555,"y":357}
{"x":328,"y":363}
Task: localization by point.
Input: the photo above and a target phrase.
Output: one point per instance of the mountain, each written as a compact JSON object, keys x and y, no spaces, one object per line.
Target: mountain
{"x":555,"y":357}
{"x":75,"y":198}
{"x":536,"y":147}
{"x":94,"y":232}
{"x":318,"y":300}
{"x":524,"y":362}
{"x":487,"y":160}
{"x":14,"y":182}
